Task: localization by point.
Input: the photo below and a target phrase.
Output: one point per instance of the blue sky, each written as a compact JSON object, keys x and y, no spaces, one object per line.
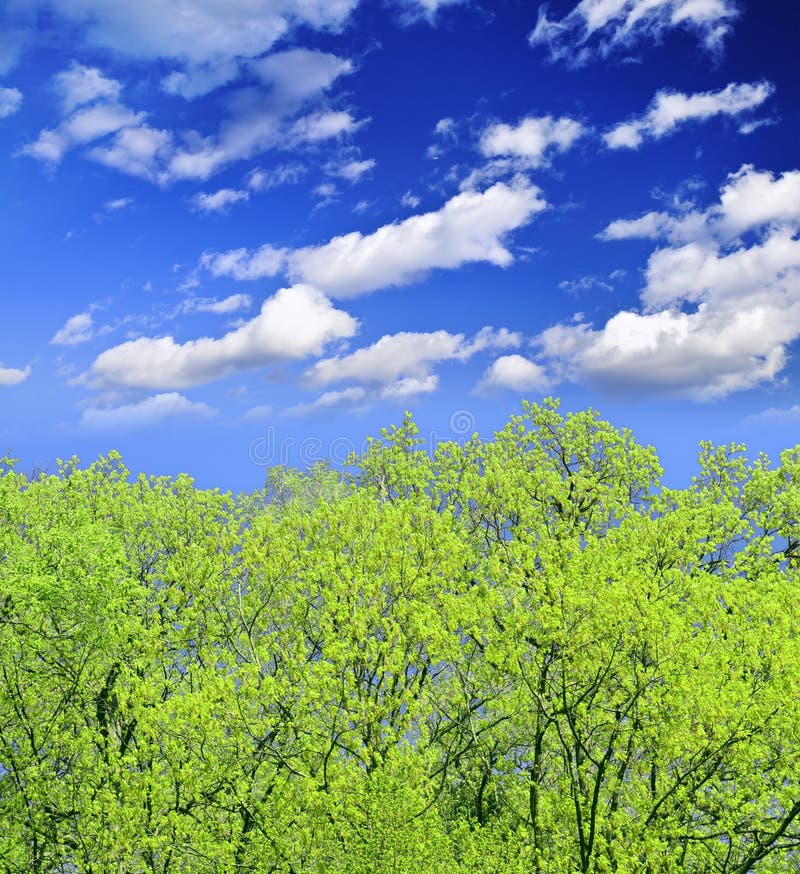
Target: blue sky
{"x":247,"y":232}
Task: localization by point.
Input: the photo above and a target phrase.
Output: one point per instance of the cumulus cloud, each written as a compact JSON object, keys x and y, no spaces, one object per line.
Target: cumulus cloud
{"x":78,"y":329}
{"x":406,"y":358}
{"x":242,"y":264}
{"x":138,"y":151}
{"x":153,"y":410}
{"x":749,"y":199}
{"x":471,"y":227}
{"x":532,"y":140}
{"x":717,"y":315}
{"x":293,"y":324}
{"x":513,"y":372}
{"x":78,"y":85}
{"x":13,"y":375}
{"x":670,"y":109}
{"x":10,"y":101}
{"x":601,"y":27}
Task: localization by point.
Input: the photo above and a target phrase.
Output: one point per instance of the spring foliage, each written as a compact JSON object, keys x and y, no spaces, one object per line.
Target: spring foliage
{"x":518,"y":655}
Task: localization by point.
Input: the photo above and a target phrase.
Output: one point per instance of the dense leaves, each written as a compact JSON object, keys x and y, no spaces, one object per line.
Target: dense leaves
{"x":520,"y":655}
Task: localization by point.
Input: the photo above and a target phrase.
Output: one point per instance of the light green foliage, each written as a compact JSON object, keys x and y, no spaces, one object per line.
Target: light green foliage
{"x":519,"y":655}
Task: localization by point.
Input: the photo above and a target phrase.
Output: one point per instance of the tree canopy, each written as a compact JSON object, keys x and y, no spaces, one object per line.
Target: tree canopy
{"x":521,"y":654}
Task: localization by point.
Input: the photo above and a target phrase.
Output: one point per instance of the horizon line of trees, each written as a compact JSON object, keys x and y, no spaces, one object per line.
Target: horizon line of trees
{"x":514,"y":655}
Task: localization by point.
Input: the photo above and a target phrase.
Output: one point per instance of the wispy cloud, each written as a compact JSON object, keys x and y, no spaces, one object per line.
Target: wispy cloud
{"x":671,"y":109}
{"x":78,"y":329}
{"x":598,"y":28}
{"x":10,"y":101}
{"x":154,"y":410}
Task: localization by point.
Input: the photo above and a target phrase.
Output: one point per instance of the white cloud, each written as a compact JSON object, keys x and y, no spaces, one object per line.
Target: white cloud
{"x":83,"y":126}
{"x":151,"y":411}
{"x":79,"y":85}
{"x":10,"y":101}
{"x":532,"y":140}
{"x":137,"y":151}
{"x":117,"y":204}
{"x":231,"y":304}
{"x":203,"y":36}
{"x":648,"y":226}
{"x":352,"y":171}
{"x":718,"y":315}
{"x":259,"y":413}
{"x":513,"y":372}
{"x":78,"y":329}
{"x":749,"y":199}
{"x":669,"y":109}
{"x":201,"y":79}
{"x":360,"y":397}
{"x":242,"y":265}
{"x":445,"y":127}
{"x":219,"y":201}
{"x":13,"y":375}
{"x":775,"y":416}
{"x":284,"y":111}
{"x":416,"y":9}
{"x":268,"y":117}
{"x":470,"y":227}
{"x":283,"y":174}
{"x":324,"y":125}
{"x":600,"y":27}
{"x":296,"y":75}
{"x":410,"y":200}
{"x":329,"y":400}
{"x":396,"y":358}
{"x":410,"y":386}
{"x":293,"y":324}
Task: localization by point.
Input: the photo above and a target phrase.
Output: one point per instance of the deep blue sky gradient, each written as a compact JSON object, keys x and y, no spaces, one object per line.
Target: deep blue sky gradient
{"x":64,"y":252}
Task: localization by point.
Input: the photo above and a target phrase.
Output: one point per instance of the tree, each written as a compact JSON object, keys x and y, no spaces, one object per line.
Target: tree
{"x":520,"y":654}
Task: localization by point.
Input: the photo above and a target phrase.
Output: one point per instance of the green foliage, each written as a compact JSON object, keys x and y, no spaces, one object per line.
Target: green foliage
{"x":518,"y":655}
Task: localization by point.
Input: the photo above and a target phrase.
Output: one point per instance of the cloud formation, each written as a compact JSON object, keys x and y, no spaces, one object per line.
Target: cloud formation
{"x":205,"y":39}
{"x":13,"y":375}
{"x":719,"y":309}
{"x":285,"y":110}
{"x":407,"y":356}
{"x":598,"y":28}
{"x":154,"y":410}
{"x":293,"y":324}
{"x":670,"y":109}
{"x":10,"y":101}
{"x":219,"y":201}
{"x":470,"y":227}
{"x":532,"y":140}
{"x":513,"y":372}
{"x":78,"y":329}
